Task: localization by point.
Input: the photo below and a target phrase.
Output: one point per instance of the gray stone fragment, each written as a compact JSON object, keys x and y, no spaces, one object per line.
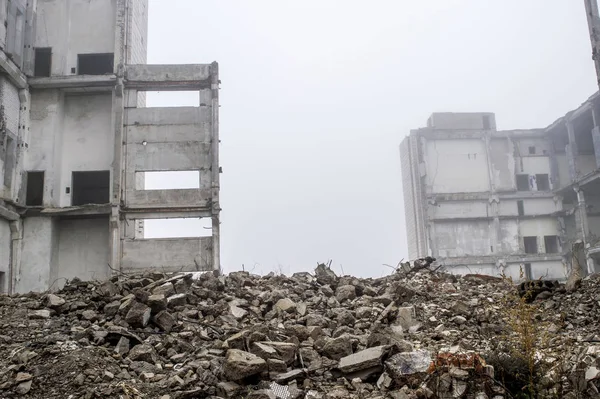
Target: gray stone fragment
{"x":40,"y":314}
{"x":143,"y":353}
{"x":240,"y":364}
{"x":362,"y":360}
{"x":177,"y":300}
{"x":157,"y":303}
{"x":122,"y":347}
{"x":164,"y":320}
{"x":138,"y":315}
{"x":54,"y":301}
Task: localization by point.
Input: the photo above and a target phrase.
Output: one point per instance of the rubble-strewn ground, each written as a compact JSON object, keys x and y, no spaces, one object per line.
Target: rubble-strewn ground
{"x":307,"y":336}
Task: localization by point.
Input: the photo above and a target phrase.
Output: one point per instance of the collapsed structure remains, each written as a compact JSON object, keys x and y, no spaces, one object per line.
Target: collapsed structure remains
{"x":487,"y":201}
{"x":76,"y":142}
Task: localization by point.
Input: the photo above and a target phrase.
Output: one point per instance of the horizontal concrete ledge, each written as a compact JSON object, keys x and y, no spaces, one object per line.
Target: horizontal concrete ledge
{"x":161,"y":213}
{"x":491,"y":217}
{"x":170,"y":77}
{"x":483,"y":260}
{"x":484,"y":196}
{"x":75,"y":211}
{"x":582,"y":181}
{"x":440,"y":134}
{"x":12,"y":70}
{"x":75,"y":82}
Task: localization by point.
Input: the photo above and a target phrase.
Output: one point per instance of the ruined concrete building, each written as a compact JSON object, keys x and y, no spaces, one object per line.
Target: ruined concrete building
{"x":487,"y":201}
{"x":76,"y":142}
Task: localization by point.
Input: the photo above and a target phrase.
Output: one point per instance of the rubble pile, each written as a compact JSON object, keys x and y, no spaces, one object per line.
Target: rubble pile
{"x":309,"y":336}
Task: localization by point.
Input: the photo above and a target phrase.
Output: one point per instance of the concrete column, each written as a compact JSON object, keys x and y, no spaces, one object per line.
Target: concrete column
{"x":16,"y":229}
{"x":215,"y":166}
{"x":571,"y":150}
{"x":582,"y":224}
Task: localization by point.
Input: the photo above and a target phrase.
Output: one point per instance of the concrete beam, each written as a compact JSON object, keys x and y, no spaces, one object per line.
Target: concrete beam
{"x":7,"y":214}
{"x":163,"y":116}
{"x":168,"y":77}
{"x":169,"y":156}
{"x":15,"y":75}
{"x":168,"y":133}
{"x":485,"y":196}
{"x":167,"y":213}
{"x":475,"y":260}
{"x":75,"y":82}
{"x":168,"y":199}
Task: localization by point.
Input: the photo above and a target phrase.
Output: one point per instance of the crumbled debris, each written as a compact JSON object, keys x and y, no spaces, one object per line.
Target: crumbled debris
{"x":413,"y":334}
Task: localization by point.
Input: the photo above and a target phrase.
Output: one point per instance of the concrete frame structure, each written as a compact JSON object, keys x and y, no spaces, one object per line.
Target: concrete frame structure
{"x":88,"y":139}
{"x":487,"y":201}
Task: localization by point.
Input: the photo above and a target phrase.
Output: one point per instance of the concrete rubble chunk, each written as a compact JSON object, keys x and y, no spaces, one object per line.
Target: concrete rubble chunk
{"x":138,"y":315}
{"x":157,"y":302}
{"x":165,"y":321}
{"x":142,"y":352}
{"x":39,"y":314}
{"x":408,"y":363}
{"x":177,"y":300}
{"x":23,"y":377}
{"x":167,"y":289}
{"x":285,"y":305}
{"x":240,"y":364}
{"x":345,"y":292}
{"x":364,"y":359}
{"x":122,"y":347}
{"x":54,"y":301}
{"x":325,"y":276}
{"x":237,"y":312}
{"x":24,"y":387}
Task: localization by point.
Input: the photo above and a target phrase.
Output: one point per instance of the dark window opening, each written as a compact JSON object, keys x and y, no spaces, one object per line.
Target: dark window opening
{"x":527,"y":271}
{"x":522,"y":182}
{"x":551,"y":244}
{"x":531,"y":150}
{"x":543,"y":182}
{"x":35,"y":189}
{"x":43,"y":62}
{"x":486,"y":122}
{"x":91,"y":188}
{"x":3,"y":287}
{"x":520,"y":208}
{"x":95,"y":64}
{"x":530,"y":245}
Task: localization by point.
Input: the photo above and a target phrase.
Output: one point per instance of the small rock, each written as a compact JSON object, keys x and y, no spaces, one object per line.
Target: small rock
{"x":157,"y":302}
{"x":23,"y":377}
{"x":108,"y":376}
{"x":166,"y":289}
{"x":338,"y":348}
{"x":89,"y":315}
{"x":23,"y":387}
{"x":362,"y":360}
{"x":142,"y":352}
{"x":237,"y":312}
{"x":325,"y":276}
{"x":40,"y":314}
{"x":112,"y":308}
{"x":458,"y":320}
{"x":122,"y":347}
{"x":289,"y":376}
{"x":164,"y":320}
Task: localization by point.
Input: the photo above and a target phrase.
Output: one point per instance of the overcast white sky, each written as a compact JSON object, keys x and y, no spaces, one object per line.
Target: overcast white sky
{"x":317,"y":95}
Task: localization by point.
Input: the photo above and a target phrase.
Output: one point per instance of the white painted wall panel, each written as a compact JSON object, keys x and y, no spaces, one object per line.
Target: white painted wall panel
{"x":455,"y":166}
{"x":552,"y":270}
{"x":509,"y":236}
{"x":37,"y":253}
{"x":536,"y":165}
{"x":503,"y":164}
{"x":585,"y":164}
{"x":563,"y":170}
{"x":463,"y":238}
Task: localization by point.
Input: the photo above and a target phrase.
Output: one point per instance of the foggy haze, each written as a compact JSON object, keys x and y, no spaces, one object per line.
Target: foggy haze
{"x":316,"y":97}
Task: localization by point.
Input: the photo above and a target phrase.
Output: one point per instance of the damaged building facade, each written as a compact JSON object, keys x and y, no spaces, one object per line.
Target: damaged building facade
{"x":77,"y":141}
{"x":487,"y":201}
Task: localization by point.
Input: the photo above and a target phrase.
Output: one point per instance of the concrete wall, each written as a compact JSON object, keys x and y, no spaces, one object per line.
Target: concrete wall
{"x":455,"y":166}
{"x":45,"y":146}
{"x":39,"y":246}
{"x":460,"y":209}
{"x":564,"y":178}
{"x":548,"y":270}
{"x":535,"y":165}
{"x":531,"y":206}
{"x":541,"y":145}
{"x":5,"y":243}
{"x":88,"y":142}
{"x":168,"y":254}
{"x":9,"y":98}
{"x":585,"y":164}
{"x":461,"y":120}
{"x":83,"y":249}
{"x":503,"y":164}
{"x":509,"y":237}
{"x":463,"y":238}
{"x":74,"y":27}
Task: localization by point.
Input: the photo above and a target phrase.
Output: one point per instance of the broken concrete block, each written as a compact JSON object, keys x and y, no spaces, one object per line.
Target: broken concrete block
{"x":407,"y":317}
{"x":164,"y":320}
{"x":286,"y":350}
{"x":122,"y":347}
{"x":239,"y":365}
{"x":138,"y":315}
{"x":23,"y":377}
{"x":276,"y":365}
{"x":408,"y":363}
{"x":337,"y":348}
{"x":166,"y":289}
{"x":237,"y":312}
{"x":89,"y":315}
{"x":142,"y":353}
{"x":345,"y":292}
{"x":24,"y":387}
{"x":289,"y":376}
{"x":40,"y":314}
{"x":364,"y":359}
{"x":111,"y":308}
{"x":157,"y":303}
{"x":264,"y":351}
{"x":54,"y":301}
{"x":177,"y":300}
{"x":228,"y":389}
{"x":285,"y":305}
